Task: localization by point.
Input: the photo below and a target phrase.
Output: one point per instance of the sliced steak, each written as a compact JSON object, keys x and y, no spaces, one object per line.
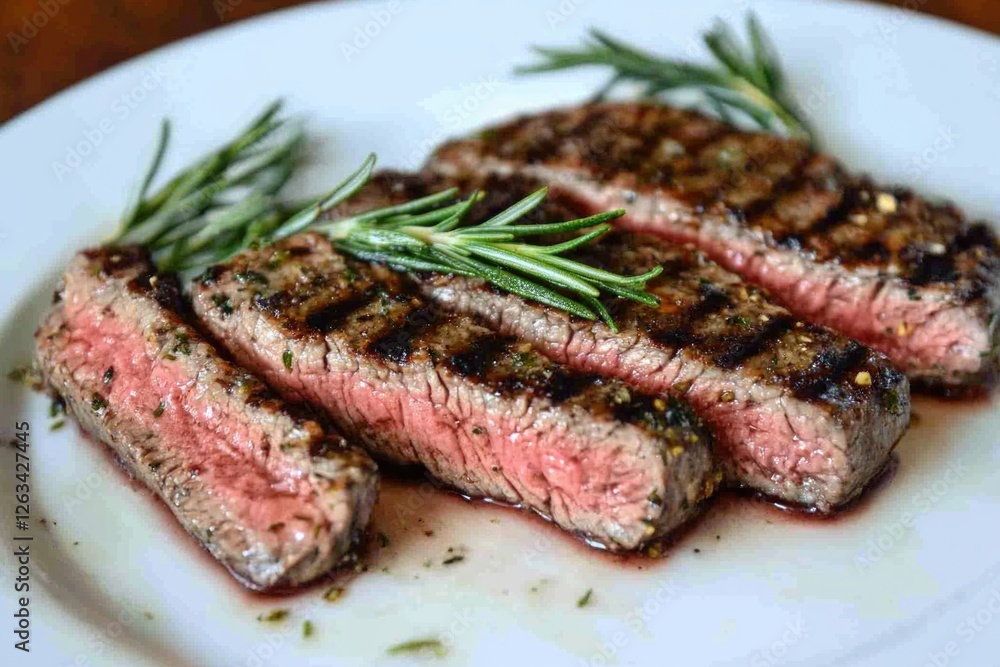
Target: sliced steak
{"x":799,"y":412}
{"x":912,"y":279}
{"x":482,"y":413}
{"x":266,"y":490}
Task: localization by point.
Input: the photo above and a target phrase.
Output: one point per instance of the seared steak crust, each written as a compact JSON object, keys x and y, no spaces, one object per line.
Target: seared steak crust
{"x":266,"y":490}
{"x":913,"y":279}
{"x":481,"y":412}
{"x":799,"y":412}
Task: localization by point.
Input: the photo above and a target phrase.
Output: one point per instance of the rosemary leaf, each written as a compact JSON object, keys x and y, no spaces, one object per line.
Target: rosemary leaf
{"x":745,"y":84}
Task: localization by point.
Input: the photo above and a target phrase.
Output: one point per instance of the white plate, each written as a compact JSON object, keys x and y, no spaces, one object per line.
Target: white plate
{"x":911,"y":577}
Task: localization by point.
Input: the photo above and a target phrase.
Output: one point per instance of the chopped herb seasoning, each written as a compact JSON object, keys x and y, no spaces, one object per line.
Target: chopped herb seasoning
{"x":222,"y":302}
{"x":97,"y":403}
{"x":23,"y":375}
{"x":428,"y":646}
{"x":585,"y":599}
{"x":158,"y":412}
{"x":183,"y":345}
{"x":277,"y":258}
{"x":525,"y":360}
{"x":57,"y":424}
{"x":308,"y":629}
{"x":286,"y":359}
{"x":350,"y":275}
{"x":275,"y":616}
{"x":108,"y":374}
{"x":333,"y":594}
{"x":276,"y":526}
{"x":251,"y":276}
{"x":477,"y":431}
{"x":739,"y":321}
{"x":457,"y":558}
{"x":383,"y":540}
{"x":57,"y":407}
{"x":892,"y":403}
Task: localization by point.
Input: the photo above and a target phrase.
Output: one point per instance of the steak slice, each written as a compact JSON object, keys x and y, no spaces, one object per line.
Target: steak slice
{"x":482,"y":413}
{"x":912,"y":279}
{"x":799,"y":412}
{"x":266,"y":490}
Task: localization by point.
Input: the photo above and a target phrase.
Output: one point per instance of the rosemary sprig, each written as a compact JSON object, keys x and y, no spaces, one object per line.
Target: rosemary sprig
{"x":747,"y":83}
{"x":229,"y":201}
{"x":426,"y":234}
{"x":222,"y":202}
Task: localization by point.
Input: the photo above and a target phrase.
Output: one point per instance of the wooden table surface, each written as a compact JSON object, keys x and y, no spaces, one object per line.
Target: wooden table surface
{"x":78,"y":38}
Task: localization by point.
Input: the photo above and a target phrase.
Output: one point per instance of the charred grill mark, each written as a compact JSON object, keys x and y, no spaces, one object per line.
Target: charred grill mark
{"x":272,"y":304}
{"x":740,"y":349}
{"x":672,"y":269}
{"x":929,"y":269}
{"x":480,"y":355}
{"x":828,"y":371}
{"x":692,"y":147}
{"x":835,"y":215}
{"x":561,"y":385}
{"x":713,"y":300}
{"x":110,"y":260}
{"x":397,"y":345}
{"x":490,"y":360}
{"x":655,"y":413}
{"x":765,"y":204}
{"x":871,"y":252}
{"x":978,"y":235}
{"x":333,"y":316}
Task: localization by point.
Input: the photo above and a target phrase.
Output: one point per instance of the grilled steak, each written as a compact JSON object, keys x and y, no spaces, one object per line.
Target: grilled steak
{"x":266,"y":490}
{"x":800,"y":413}
{"x":912,"y":279}
{"x":481,"y":412}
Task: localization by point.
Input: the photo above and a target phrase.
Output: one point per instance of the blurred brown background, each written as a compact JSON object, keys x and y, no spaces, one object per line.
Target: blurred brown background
{"x":82,"y":37}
